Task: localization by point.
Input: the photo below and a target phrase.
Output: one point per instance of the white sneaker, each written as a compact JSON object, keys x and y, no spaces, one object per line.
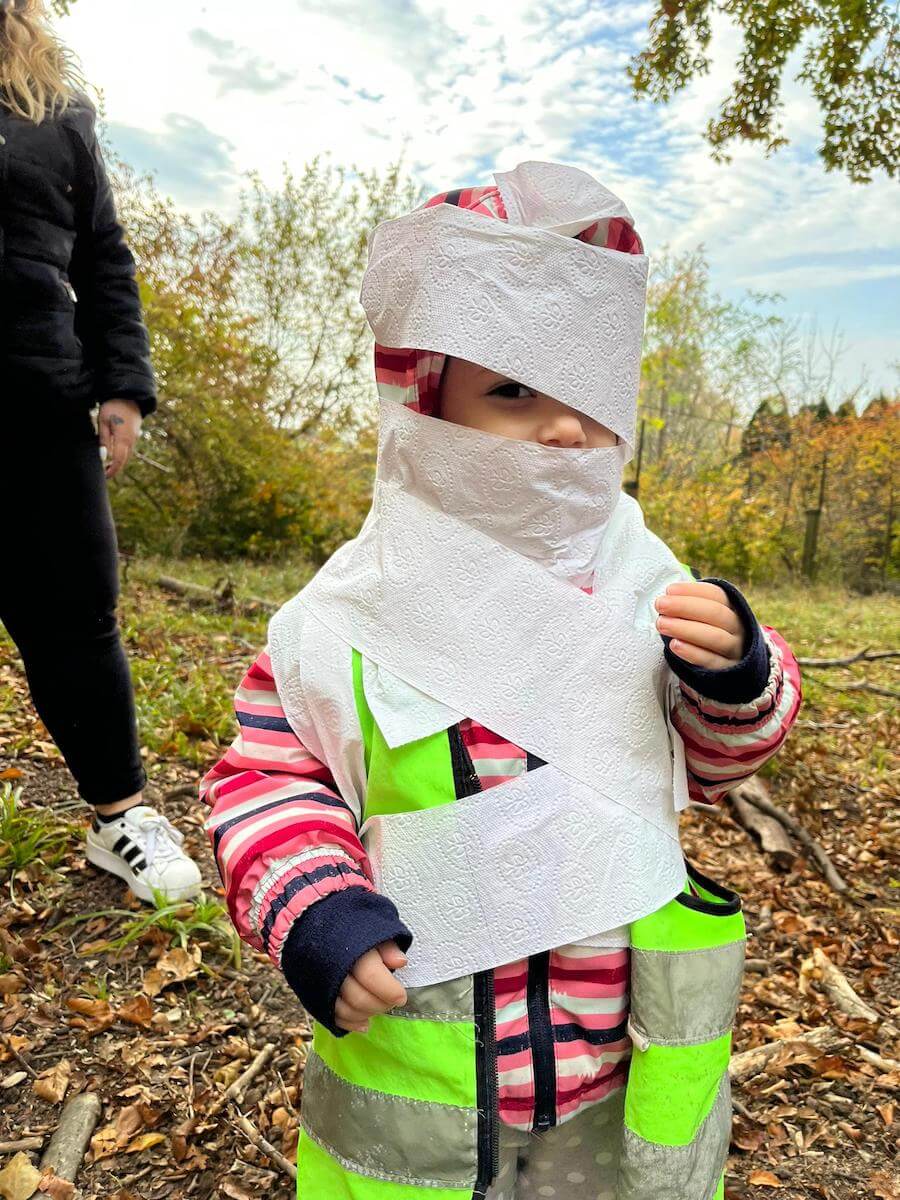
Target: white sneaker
{"x":144,"y":848}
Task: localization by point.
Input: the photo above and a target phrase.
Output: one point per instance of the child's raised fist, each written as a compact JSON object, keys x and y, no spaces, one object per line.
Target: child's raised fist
{"x":704,"y":628}
{"x":370,"y":988}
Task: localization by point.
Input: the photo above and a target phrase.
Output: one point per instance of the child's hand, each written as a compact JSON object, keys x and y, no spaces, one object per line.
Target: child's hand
{"x":704,"y":628}
{"x":370,"y":988}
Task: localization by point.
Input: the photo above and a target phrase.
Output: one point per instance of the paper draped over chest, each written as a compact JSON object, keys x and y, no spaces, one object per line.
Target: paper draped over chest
{"x":453,"y":622}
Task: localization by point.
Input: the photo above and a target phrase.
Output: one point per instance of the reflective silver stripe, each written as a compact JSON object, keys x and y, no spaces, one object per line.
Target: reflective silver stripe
{"x":648,"y":1171}
{"x":387,"y":1137}
{"x":680,"y":998}
{"x":450,"y":1001}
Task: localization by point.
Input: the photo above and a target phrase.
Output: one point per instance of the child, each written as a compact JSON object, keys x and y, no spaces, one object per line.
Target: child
{"x":451,"y":814}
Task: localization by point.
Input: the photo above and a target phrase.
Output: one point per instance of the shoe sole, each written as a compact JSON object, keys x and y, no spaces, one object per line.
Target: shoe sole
{"x":107,"y":861}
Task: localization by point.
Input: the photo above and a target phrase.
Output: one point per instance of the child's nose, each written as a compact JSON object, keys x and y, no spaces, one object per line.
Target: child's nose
{"x":565,"y":430}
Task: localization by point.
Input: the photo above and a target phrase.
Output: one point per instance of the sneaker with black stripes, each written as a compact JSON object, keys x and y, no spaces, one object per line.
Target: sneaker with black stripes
{"x":145,"y":849}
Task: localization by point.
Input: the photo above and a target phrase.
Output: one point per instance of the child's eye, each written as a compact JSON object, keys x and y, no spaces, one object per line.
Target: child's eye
{"x":512,"y":391}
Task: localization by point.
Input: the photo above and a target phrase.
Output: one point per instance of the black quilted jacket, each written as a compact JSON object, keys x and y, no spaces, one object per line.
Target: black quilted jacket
{"x":71,"y":333}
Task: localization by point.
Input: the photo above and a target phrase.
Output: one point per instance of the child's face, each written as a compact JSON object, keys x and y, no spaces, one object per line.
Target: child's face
{"x":483,"y":399}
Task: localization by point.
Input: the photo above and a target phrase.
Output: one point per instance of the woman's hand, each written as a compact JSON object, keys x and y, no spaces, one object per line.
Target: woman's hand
{"x":119,"y":427}
{"x":704,"y":628}
{"x":370,"y":988}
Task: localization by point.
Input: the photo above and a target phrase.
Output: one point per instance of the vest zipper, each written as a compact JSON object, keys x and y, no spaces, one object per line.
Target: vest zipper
{"x":540,"y":1030}
{"x":487,"y":1082}
{"x":466,"y":781}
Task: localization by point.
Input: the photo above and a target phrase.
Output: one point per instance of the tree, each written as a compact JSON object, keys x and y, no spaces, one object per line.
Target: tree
{"x":851,"y":62}
{"x":303,"y":249}
{"x":698,"y":376}
{"x":769,"y":426}
{"x":264,"y":440}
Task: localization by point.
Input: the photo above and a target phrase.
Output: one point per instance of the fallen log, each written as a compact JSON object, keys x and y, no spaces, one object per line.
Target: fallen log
{"x":222,"y":597}
{"x":750,"y":1062}
{"x":770,"y":833}
{"x":760,"y":800}
{"x":70,"y":1141}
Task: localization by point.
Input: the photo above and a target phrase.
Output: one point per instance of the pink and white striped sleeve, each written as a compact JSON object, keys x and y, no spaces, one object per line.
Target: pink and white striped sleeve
{"x":282,"y":836}
{"x":727,"y":742}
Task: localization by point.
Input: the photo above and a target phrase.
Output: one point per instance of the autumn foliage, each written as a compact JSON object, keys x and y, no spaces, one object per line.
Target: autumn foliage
{"x":746,"y":518}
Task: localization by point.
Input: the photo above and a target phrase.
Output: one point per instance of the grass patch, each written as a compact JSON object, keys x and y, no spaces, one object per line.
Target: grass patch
{"x":30,"y":835}
{"x":830,"y":622}
{"x":180,"y":923}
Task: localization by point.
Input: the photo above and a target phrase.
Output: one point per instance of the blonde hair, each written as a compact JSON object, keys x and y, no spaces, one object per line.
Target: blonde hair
{"x":38,"y":74}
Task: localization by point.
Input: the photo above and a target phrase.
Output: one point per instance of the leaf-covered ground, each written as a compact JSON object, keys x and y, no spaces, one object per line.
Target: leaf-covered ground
{"x":157,"y":1013}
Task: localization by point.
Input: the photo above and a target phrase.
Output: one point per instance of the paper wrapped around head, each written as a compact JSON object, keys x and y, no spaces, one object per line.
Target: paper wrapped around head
{"x":524,"y":296}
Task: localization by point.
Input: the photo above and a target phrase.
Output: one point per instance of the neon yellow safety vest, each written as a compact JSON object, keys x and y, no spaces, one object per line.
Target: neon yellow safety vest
{"x":408,"y":1111}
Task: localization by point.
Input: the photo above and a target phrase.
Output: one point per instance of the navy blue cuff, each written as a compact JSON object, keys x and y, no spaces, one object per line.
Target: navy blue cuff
{"x":743,"y":682}
{"x":328,"y":938}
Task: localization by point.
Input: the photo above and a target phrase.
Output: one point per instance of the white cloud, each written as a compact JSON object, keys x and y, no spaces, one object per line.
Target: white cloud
{"x":236,"y":69}
{"x":823,"y":275}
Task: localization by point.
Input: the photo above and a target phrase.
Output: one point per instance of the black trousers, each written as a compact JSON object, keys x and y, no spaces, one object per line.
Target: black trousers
{"x":58,"y":591}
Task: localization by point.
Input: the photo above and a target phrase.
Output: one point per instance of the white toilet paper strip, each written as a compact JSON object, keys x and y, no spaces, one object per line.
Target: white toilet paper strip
{"x":562,"y":316}
{"x":479,"y":628}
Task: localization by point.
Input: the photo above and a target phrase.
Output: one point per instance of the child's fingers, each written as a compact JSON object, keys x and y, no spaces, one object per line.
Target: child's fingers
{"x":700,"y":608}
{"x":375,"y":977}
{"x":706,"y":637}
{"x":359,"y":998}
{"x":346,"y":1018}
{"x":708,"y":591}
{"x":392,"y":956}
{"x":699,"y":657}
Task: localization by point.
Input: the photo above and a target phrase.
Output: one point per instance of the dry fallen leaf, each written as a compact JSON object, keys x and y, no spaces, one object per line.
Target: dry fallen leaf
{"x":104,"y":1143}
{"x":886,"y":1112}
{"x":138,"y":1011}
{"x":56,"y":1188}
{"x":95,"y":1009}
{"x":10,"y":984}
{"x":744,"y":1135}
{"x":228,"y":1073}
{"x":765,"y":1179}
{"x":883,"y":1187}
{"x":233,"y":1191}
{"x":13,"y":1080}
{"x":145,"y":1142}
{"x":172,"y":967}
{"x":19,"y":1179}
{"x":93,"y":1015}
{"x":52,"y":1085}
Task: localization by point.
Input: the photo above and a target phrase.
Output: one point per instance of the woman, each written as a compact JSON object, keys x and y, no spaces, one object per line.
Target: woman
{"x":71,"y":338}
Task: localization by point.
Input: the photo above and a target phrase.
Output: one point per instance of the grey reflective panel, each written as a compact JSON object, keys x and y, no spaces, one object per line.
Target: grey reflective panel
{"x":386,"y":1137}
{"x":651,"y":1172}
{"x":450,"y":1001}
{"x":680,"y":998}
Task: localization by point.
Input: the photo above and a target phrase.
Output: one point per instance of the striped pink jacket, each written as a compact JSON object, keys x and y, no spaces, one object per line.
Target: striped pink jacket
{"x":283,"y":839}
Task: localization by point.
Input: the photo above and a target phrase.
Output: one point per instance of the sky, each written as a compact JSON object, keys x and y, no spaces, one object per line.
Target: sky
{"x":199,"y":93}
